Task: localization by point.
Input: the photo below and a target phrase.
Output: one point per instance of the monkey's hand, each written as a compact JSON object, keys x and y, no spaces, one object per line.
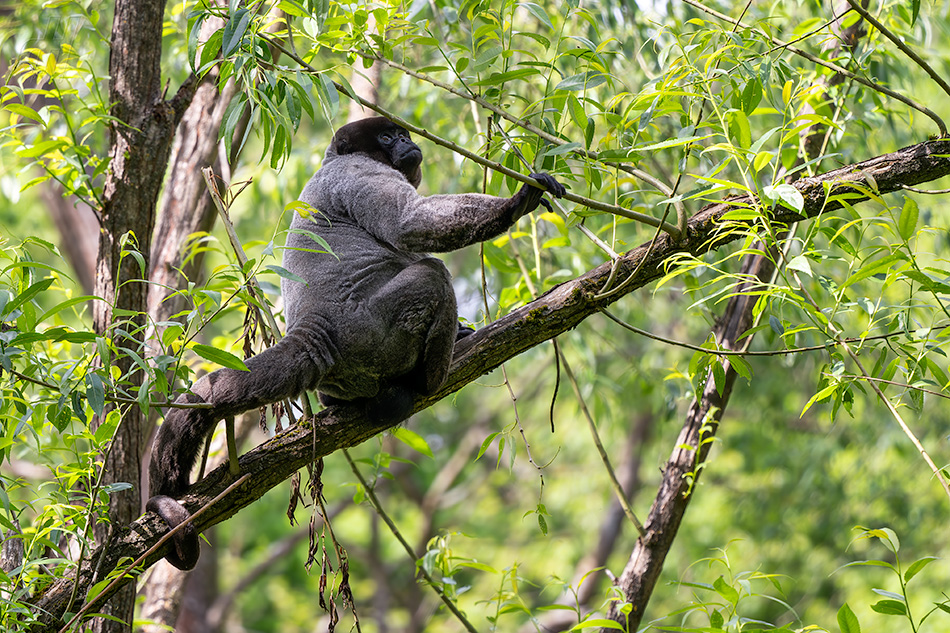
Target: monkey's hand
{"x":529,"y":197}
{"x":554,"y":188}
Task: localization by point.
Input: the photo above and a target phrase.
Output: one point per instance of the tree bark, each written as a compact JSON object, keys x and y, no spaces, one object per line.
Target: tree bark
{"x":141,"y":143}
{"x":555,"y":312}
{"x":685,"y":465}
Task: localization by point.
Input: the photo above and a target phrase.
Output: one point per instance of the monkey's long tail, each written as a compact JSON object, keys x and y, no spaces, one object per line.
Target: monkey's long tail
{"x":285,"y":370}
{"x":185,"y":546}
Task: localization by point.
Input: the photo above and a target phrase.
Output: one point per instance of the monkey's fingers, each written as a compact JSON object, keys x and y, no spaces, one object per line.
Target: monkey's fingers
{"x":552,"y":186}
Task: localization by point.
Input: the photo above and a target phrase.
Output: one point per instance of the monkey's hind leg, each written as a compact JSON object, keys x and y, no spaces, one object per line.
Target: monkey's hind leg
{"x":421,"y":301}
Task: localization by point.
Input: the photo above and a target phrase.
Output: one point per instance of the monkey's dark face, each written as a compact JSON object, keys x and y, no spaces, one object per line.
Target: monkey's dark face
{"x":403,"y":153}
{"x":384,"y":141}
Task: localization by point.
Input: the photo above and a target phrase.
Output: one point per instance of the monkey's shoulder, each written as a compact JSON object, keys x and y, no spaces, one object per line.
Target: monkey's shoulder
{"x":355,"y":175}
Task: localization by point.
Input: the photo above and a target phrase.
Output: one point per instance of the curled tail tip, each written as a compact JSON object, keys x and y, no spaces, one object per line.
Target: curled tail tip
{"x":185,"y":546}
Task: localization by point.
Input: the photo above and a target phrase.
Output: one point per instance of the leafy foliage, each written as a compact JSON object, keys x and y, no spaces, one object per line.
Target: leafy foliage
{"x":646,"y":115}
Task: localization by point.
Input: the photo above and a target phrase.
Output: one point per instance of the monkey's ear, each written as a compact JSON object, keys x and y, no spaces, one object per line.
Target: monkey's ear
{"x":342,"y":146}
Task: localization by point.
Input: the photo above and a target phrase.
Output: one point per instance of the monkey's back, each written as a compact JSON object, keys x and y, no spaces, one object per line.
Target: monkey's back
{"x":347,"y":298}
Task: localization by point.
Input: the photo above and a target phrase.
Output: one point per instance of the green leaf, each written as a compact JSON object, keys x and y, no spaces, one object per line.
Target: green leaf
{"x":926,"y":282}
{"x":539,"y":13}
{"x":95,"y":393}
{"x":27,"y":295}
{"x":235,"y":30}
{"x":741,"y":366}
{"x":170,"y":333}
{"x":322,"y":243}
{"x":776,"y":324}
{"x":889,"y":607}
{"x":739,"y":128}
{"x":219,"y":356}
{"x":916,"y":566}
{"x":889,"y":594}
{"x":25,"y":111}
{"x":232,"y":116}
{"x":726,"y":591}
{"x":800,"y":263}
{"x":41,"y":149}
{"x":478,"y":566}
{"x":942,"y":606}
{"x":888,"y":537}
{"x":329,"y":94}
{"x":673,"y":142}
{"x":583,"y":81}
{"x":285,"y":274}
{"x":485,"y":444}
{"x":499,"y":78}
{"x":821,"y":395}
{"x":292,"y":8}
{"x":907,"y":223}
{"x":847,"y":621}
{"x":558,"y":150}
{"x":413,"y":440}
{"x":751,"y":96}
{"x":874,"y":268}
{"x":785,"y":194}
{"x":194,"y":30}
{"x":209,"y":52}
{"x":107,"y":427}
{"x":600,"y":623}
{"x":59,"y":307}
{"x":762,"y":160}
{"x":578,"y":115}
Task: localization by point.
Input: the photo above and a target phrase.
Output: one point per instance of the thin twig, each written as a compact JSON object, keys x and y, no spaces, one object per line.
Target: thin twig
{"x":942,"y":128}
{"x":604,"y":458}
{"x":115,"y":399}
{"x":493,"y":165}
{"x":833,"y":330}
{"x":650,"y":179}
{"x":254,"y":287}
{"x":932,"y":192}
{"x":138,"y":561}
{"x":899,"y":43}
{"x":377,"y":506}
{"x":595,"y":434}
{"x":898,"y":384}
{"x":778,"y":352}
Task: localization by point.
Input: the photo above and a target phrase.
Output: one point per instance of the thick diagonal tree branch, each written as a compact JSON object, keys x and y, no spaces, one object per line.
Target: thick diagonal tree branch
{"x":557,"y":311}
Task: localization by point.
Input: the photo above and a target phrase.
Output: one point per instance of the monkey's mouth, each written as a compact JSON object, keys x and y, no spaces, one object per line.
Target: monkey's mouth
{"x":409,"y":161}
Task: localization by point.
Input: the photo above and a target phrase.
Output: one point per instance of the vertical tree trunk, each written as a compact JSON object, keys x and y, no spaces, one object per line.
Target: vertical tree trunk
{"x":685,"y":465}
{"x":139,"y":154}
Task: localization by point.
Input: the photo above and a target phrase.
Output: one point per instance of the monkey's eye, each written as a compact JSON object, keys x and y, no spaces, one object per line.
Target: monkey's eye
{"x":386,"y":137}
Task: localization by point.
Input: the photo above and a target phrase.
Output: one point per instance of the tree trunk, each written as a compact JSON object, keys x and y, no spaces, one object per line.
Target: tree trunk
{"x":685,"y":465}
{"x":138,"y":156}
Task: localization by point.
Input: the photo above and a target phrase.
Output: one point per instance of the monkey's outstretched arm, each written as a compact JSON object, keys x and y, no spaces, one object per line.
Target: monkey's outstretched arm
{"x":388,"y":206}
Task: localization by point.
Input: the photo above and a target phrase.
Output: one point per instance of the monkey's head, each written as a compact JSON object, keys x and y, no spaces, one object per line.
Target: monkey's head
{"x":383,"y":141}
